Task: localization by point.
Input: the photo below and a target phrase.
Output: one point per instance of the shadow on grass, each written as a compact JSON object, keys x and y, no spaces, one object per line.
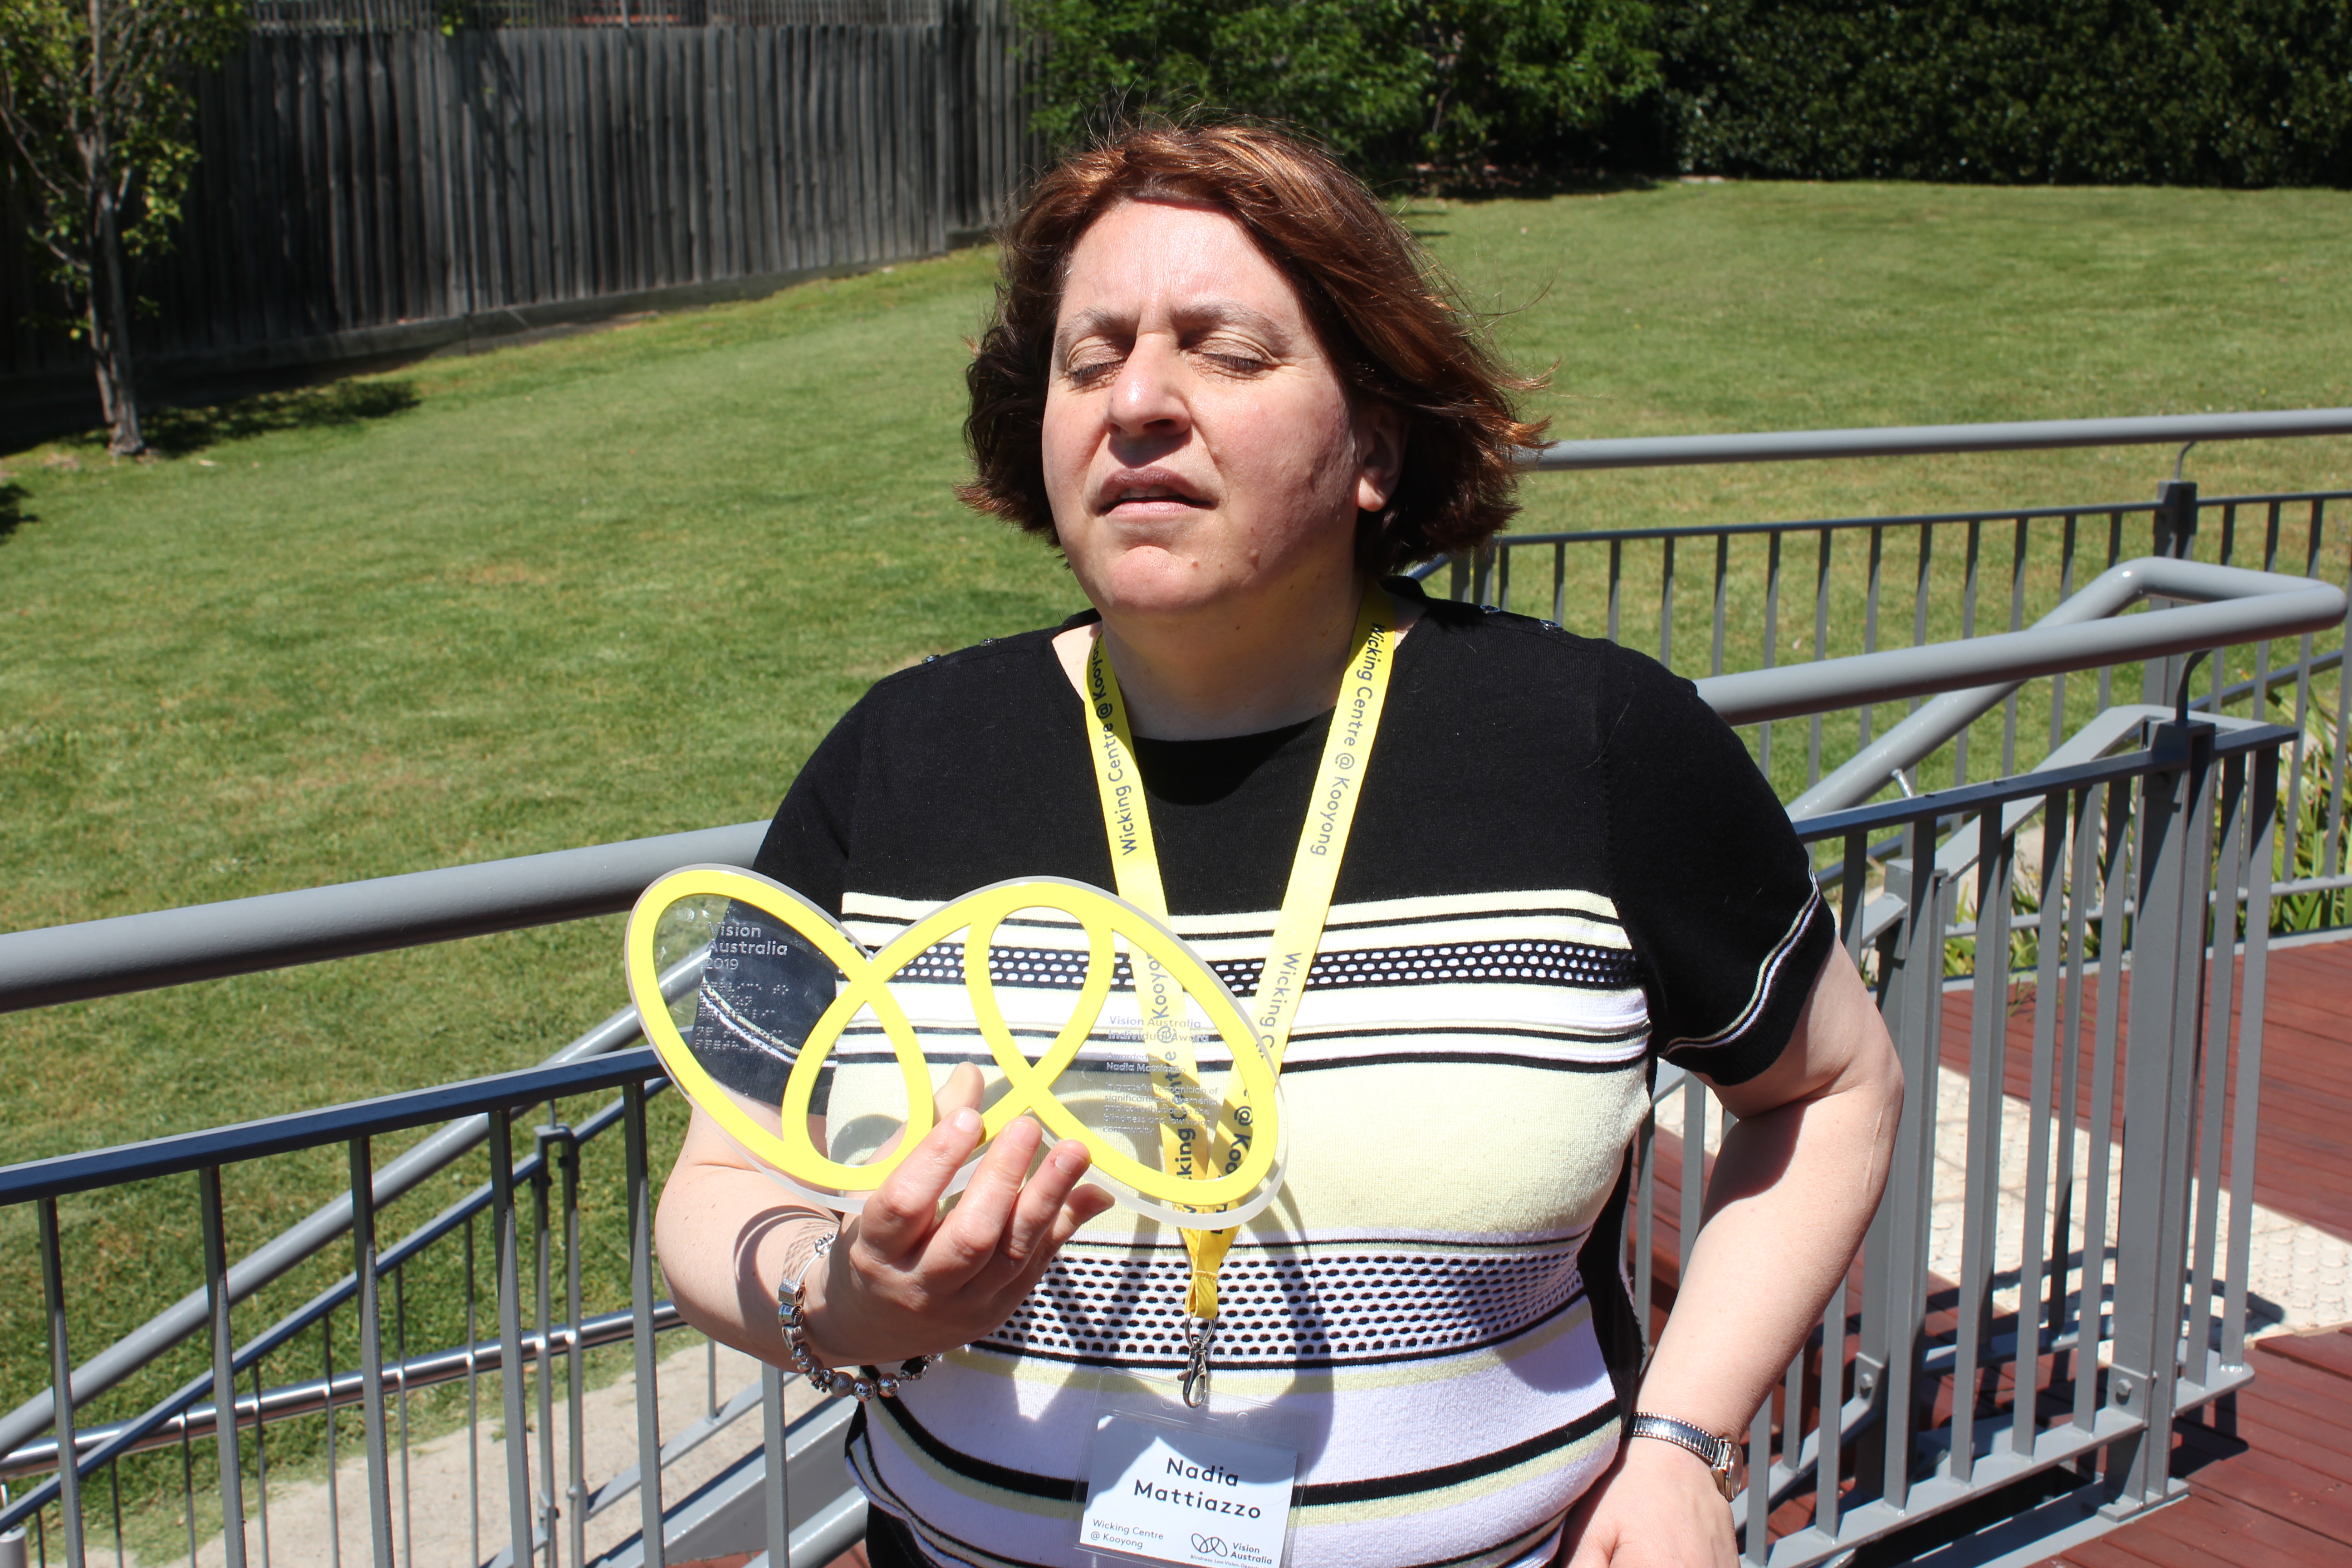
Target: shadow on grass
{"x":1503,"y":185}
{"x":13,"y":514}
{"x":176,"y":432}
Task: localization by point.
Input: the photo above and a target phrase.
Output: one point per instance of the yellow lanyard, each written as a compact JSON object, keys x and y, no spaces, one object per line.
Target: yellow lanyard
{"x":1186,"y":1133}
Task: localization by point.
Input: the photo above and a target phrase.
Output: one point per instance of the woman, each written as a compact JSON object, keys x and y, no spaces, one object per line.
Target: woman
{"x":1220,"y":378}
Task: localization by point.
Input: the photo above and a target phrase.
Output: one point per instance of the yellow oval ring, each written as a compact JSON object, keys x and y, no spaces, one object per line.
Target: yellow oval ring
{"x":1029,"y":1086}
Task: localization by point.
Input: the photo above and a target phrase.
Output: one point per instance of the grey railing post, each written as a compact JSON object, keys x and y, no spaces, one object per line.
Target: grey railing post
{"x":371,"y":1331}
{"x":224,"y":1444}
{"x":2161,"y":1066}
{"x":53,"y":1292}
{"x":2172,"y":532}
{"x":544,"y":1141}
{"x":507,"y":1269}
{"x":1893,"y":1291}
{"x":639,"y":1189}
{"x":775,"y":1501}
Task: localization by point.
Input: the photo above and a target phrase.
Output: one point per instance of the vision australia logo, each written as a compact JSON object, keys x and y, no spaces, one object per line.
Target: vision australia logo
{"x":1209,"y":1545}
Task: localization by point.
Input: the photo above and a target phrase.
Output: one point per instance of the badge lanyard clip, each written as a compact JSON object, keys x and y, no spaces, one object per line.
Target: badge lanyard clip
{"x":1188,"y":1138}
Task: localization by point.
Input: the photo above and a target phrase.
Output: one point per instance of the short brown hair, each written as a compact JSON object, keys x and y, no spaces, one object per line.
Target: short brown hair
{"x":1387,"y":317}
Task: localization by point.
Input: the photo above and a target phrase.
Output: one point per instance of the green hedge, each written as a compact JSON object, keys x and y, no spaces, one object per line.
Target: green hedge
{"x":2190,"y":92}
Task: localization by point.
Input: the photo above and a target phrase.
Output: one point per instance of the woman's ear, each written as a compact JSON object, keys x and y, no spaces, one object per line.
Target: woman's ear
{"x":1379,"y":452}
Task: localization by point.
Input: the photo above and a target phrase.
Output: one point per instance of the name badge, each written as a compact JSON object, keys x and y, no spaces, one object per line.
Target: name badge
{"x":1175,"y":1493}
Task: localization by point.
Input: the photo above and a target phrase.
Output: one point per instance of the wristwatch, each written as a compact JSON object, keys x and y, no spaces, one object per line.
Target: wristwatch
{"x":1720,"y":1454}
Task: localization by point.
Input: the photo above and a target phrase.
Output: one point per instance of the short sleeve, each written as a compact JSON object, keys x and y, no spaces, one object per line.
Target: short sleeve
{"x":807,"y":846}
{"x":1714,"y":889}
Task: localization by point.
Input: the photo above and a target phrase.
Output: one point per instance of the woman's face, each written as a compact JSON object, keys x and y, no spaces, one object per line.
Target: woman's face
{"x":1200,"y":450}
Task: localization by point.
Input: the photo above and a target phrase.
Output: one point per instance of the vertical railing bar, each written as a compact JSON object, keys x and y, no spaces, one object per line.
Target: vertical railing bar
{"x":1898,"y":1288}
{"x":1666,"y":603}
{"x":774,"y":1495}
{"x":2262,"y":705}
{"x":2220,"y":990}
{"x":2302,"y":705}
{"x":53,"y":1300}
{"x":2222,"y":664}
{"x":2048,"y":945}
{"x":1693,"y":1176}
{"x":1821,"y":650}
{"x":1829,"y":1465}
{"x":506,"y":1268}
{"x":187,"y":1493}
{"x":2188,"y":925}
{"x":400,"y":1401}
{"x":261,"y":1467}
{"x":1646,"y":1236}
{"x":2069,"y":1064}
{"x":1980,"y":1188}
{"x":2065,"y":592}
{"x":1616,"y":582}
{"x":2331,"y":846}
{"x":1969,"y":574}
{"x":542,"y":1186}
{"x":1919,"y":587}
{"x":2114,"y":554}
{"x":334,"y":1493}
{"x":2016,"y":622}
{"x":1870,"y":619}
{"x":1792,"y":1408}
{"x":1560,"y":584}
{"x":1830,"y":1460}
{"x":224,"y":1348}
{"x":2262,"y":832}
{"x":2112,"y":881}
{"x":473,"y":1403}
{"x":1502,"y":553}
{"x":1759,"y":1542}
{"x":114,"y":1491}
{"x":1771,"y":635}
{"x":371,"y":1318}
{"x":1722,"y":582}
{"x":640,"y":1308}
{"x":576,"y":1366}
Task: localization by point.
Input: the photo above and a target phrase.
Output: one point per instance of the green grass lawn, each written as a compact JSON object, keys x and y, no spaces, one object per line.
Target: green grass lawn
{"x":620,"y":583}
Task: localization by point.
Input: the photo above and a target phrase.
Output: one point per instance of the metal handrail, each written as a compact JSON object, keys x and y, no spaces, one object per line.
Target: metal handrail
{"x":43,"y":967}
{"x":213,"y":1146}
{"x":2274,"y":605}
{"x":1920,"y":441}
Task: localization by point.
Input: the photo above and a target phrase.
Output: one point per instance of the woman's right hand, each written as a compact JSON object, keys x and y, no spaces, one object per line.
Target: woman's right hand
{"x":905,"y":1280}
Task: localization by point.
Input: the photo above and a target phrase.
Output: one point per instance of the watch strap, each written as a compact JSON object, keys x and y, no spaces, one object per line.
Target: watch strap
{"x":1719,"y":1454}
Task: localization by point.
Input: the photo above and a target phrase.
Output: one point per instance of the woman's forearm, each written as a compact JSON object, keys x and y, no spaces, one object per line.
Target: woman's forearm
{"x":726,"y":1237}
{"x":1794,"y":1188}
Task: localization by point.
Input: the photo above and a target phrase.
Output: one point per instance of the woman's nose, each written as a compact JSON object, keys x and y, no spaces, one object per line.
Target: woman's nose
{"x":1149,"y":396}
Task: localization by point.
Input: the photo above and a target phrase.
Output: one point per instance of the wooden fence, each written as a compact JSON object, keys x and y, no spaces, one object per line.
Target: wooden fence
{"x":365,"y":193}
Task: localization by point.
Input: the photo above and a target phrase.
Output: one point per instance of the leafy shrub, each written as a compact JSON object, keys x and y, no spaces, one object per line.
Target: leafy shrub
{"x":1391,"y":84}
{"x":2191,"y":92}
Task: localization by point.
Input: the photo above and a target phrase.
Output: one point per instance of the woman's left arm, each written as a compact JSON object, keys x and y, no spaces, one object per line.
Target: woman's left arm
{"x":1795,"y":1184}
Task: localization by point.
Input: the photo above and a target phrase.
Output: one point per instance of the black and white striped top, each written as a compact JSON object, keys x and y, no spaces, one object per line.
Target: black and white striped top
{"x":1563,"y":865}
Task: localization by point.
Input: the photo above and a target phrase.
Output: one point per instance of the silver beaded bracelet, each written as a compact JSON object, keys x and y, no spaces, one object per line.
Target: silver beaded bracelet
{"x":866,"y":1381}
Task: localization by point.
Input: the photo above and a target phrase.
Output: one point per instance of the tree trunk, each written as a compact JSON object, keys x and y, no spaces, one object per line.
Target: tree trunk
{"x":110,"y":299}
{"x":109,"y":330}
